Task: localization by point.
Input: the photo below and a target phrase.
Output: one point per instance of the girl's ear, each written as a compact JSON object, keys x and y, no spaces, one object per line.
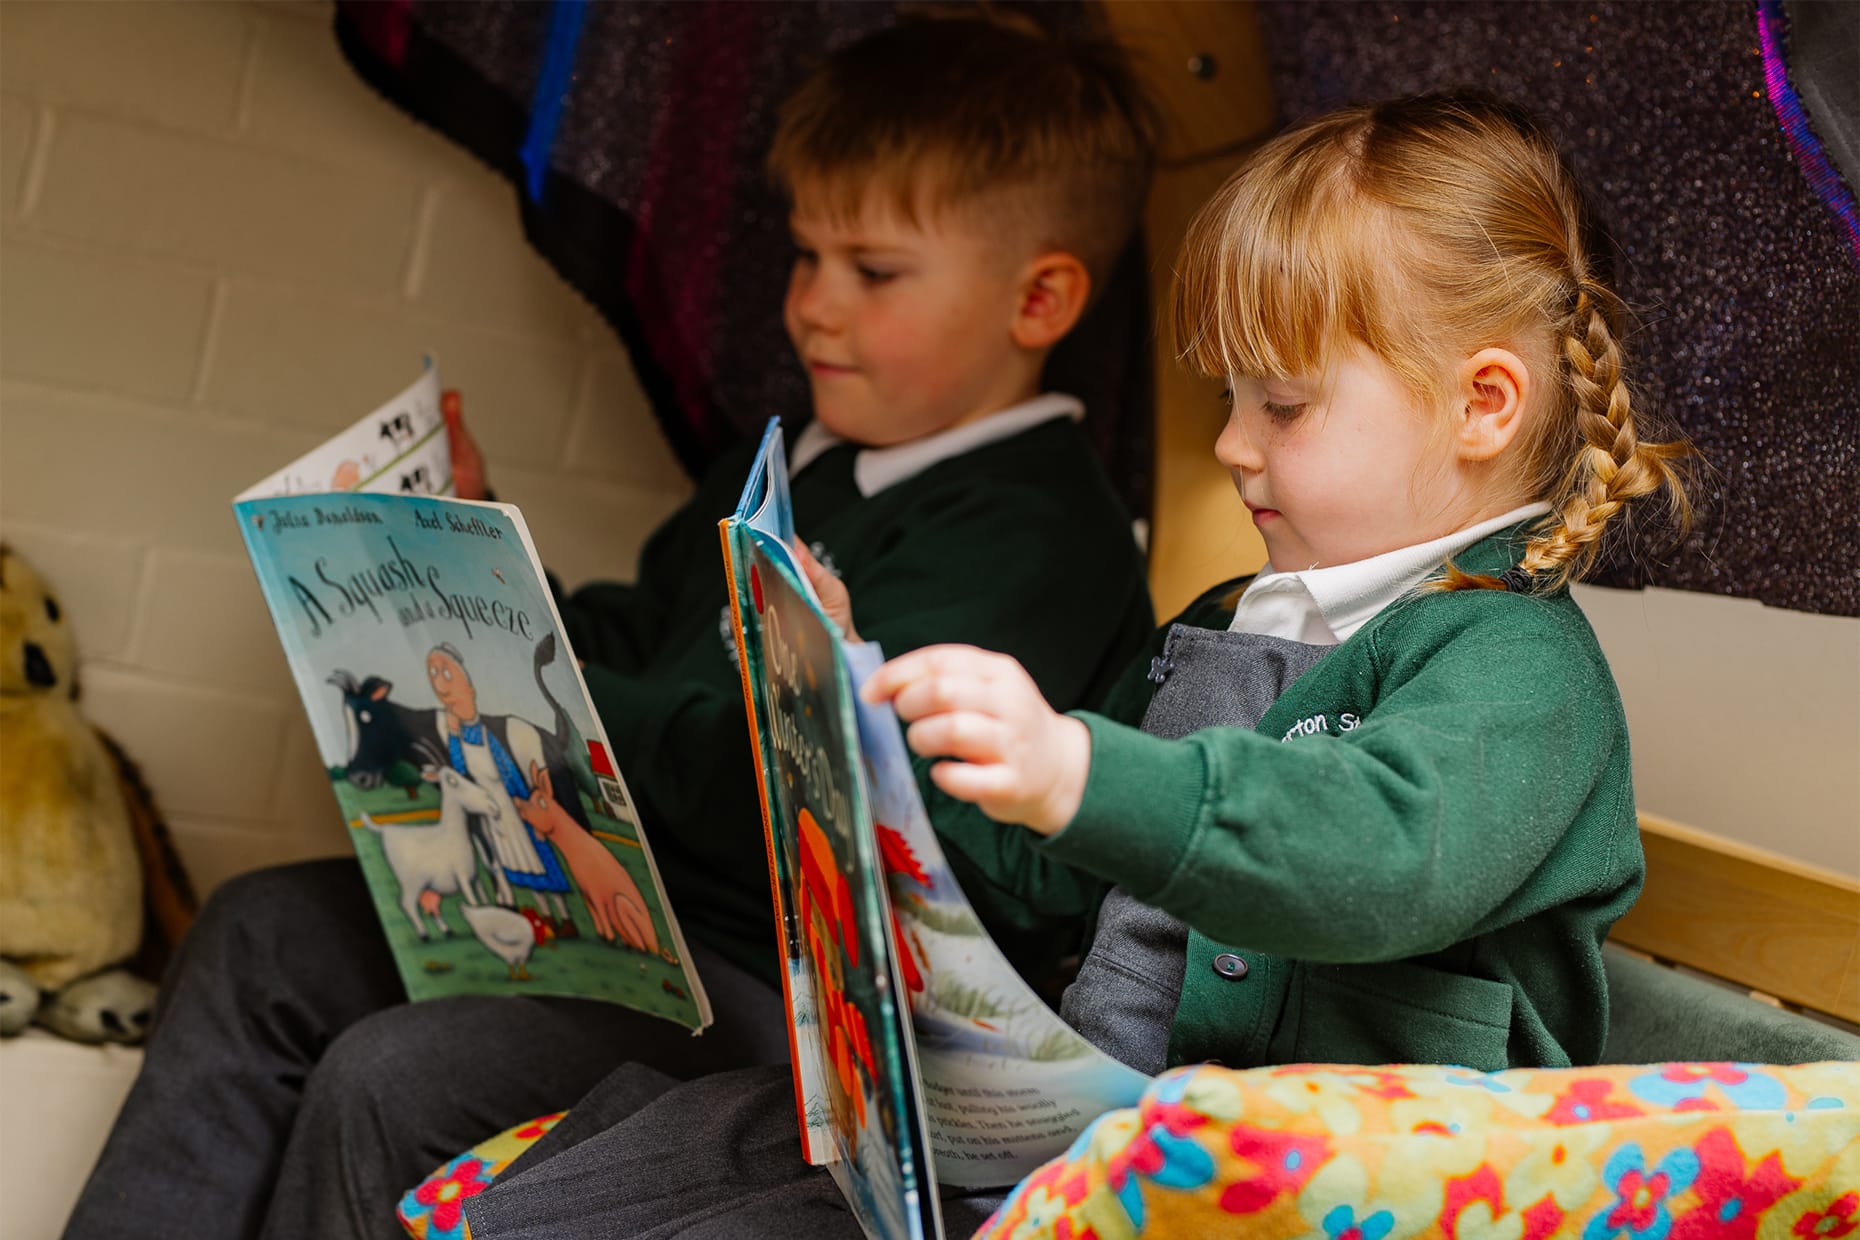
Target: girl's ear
{"x":1495,"y":387}
{"x":1053,"y":291}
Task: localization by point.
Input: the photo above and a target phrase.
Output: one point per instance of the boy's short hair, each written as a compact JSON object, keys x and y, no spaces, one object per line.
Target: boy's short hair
{"x":940,"y":113}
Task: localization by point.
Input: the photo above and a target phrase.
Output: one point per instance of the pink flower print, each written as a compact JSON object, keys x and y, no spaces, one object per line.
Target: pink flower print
{"x":1537,"y":1222}
{"x":1462,"y":1191}
{"x":1542,"y":1220}
{"x":1161,"y":1151}
{"x":1284,"y":1164}
{"x":1832,"y":1223}
{"x":1731,"y":1204}
{"x":1042,"y":1202}
{"x":1586,"y":1101}
{"x":537,"y":1127}
{"x":1640,"y":1206}
{"x":440,"y":1199}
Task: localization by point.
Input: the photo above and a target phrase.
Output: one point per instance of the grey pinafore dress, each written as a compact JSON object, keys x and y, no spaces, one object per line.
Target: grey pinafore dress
{"x":1125,"y":996}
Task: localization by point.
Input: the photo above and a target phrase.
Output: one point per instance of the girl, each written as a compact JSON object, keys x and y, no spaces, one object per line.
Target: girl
{"x":1380,"y":810}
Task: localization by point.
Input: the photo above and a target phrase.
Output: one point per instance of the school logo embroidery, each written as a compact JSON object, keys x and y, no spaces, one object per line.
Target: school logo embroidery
{"x":1311,"y":725}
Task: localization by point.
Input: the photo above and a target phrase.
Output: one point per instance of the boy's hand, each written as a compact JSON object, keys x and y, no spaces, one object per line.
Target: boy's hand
{"x":1018,"y":759}
{"x":832,"y":591}
{"x":468,"y":475}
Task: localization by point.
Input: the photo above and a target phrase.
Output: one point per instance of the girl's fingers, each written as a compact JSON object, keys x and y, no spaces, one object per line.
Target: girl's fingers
{"x":968,"y":782}
{"x":966,"y":735}
{"x":930,"y":661}
{"x":943,"y":693}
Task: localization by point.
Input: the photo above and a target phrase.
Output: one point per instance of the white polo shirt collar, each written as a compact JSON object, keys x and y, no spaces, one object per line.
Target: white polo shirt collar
{"x":874,"y":469}
{"x":1324,"y":606}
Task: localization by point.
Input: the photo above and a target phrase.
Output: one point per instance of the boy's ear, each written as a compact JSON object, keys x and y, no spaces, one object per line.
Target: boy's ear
{"x":1495,"y":387}
{"x":1053,"y":291}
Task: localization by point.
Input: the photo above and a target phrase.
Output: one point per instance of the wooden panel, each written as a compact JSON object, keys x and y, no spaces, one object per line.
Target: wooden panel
{"x":1199,"y":533}
{"x":1206,"y":64}
{"x":1749,"y":916}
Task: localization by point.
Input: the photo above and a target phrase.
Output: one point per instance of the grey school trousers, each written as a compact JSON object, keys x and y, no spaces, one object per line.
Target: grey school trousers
{"x":649,"y":1158}
{"x":288,"y":1090}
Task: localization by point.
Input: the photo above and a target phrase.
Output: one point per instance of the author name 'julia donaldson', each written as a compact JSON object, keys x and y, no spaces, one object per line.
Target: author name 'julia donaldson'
{"x":280,"y":520}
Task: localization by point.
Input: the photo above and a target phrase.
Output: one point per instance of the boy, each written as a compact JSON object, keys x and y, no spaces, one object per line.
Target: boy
{"x":946,"y":240}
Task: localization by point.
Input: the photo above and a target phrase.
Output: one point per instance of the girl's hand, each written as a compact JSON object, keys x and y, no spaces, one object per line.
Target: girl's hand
{"x":468,"y":473}
{"x":1018,"y":759}
{"x":832,"y":591}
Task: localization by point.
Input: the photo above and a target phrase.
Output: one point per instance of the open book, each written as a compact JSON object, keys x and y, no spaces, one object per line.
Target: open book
{"x":919,"y":1054}
{"x":495,"y":832}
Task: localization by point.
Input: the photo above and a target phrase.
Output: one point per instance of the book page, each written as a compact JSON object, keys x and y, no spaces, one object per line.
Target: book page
{"x":1007,"y":1083}
{"x":399,"y":448}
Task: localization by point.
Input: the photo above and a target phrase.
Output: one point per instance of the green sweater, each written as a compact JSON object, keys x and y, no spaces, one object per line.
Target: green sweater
{"x":1019,"y":545}
{"x":1417,"y":853}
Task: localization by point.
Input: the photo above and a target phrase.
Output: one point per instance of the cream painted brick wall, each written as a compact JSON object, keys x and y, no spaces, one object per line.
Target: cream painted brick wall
{"x":18,"y":118}
{"x":612,"y":433}
{"x":225,"y":205}
{"x":86,"y":320}
{"x":161,"y":64}
{"x":216,"y":247}
{"x":518,"y":389}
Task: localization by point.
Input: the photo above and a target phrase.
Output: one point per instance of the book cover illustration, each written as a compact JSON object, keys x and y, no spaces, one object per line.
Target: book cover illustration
{"x":861,"y":1113}
{"x":839,"y":910}
{"x":765,"y":506}
{"x":498,"y":839}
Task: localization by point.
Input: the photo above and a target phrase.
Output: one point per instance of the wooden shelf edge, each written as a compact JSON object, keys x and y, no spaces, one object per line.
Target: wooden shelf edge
{"x":1750,"y":916}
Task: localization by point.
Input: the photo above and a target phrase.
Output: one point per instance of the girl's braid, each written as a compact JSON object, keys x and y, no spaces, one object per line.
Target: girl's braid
{"x":1612,"y":466}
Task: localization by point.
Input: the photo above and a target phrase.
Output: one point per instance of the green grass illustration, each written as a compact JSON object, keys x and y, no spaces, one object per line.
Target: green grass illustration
{"x":953,"y":921}
{"x":459,"y":964}
{"x":1057,"y":1044}
{"x":955,"y":997}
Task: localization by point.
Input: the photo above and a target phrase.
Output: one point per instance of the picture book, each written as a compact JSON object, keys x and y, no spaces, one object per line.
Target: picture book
{"x":921,"y":1057}
{"x":503,"y":851}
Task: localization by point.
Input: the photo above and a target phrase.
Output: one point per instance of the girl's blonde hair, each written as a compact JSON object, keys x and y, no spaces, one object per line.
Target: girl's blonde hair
{"x":1424,"y":229}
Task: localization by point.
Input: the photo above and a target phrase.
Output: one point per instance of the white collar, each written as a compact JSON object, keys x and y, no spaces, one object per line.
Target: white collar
{"x":1324,"y":606}
{"x":874,"y":469}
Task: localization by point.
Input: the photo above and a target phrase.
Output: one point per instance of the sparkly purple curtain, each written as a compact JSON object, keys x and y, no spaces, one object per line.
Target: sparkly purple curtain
{"x":1747,"y":290}
{"x":654,"y":122}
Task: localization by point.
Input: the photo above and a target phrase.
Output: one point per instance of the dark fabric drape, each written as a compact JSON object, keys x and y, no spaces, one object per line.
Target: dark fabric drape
{"x":1732,"y":249}
{"x":645,"y":188}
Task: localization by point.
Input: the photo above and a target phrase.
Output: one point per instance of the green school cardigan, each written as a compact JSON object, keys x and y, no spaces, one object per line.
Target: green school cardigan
{"x":1414,"y":857}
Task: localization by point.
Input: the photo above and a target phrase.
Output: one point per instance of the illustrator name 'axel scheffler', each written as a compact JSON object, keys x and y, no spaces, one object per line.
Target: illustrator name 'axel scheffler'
{"x":457,"y":524}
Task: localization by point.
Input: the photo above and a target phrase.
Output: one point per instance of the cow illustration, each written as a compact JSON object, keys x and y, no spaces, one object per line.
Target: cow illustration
{"x":383,"y":734}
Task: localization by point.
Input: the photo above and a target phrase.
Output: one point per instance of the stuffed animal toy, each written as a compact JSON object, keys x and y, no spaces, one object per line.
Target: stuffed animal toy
{"x":71,"y":884}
